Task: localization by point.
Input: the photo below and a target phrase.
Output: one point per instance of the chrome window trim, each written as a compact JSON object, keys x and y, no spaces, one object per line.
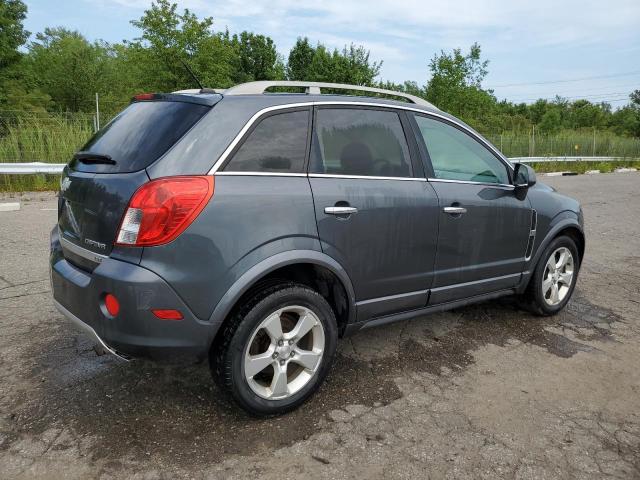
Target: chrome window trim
{"x":470,"y":182}
{"x":80,"y":251}
{"x":366,"y":177}
{"x":260,"y":174}
{"x":315,"y":175}
{"x":257,"y":115}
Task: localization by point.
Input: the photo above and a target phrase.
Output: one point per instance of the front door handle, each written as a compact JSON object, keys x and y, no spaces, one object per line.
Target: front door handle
{"x":340,"y":210}
{"x":454,"y":210}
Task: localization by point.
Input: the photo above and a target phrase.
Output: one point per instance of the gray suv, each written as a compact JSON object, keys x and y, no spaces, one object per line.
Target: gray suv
{"x":254,"y":229}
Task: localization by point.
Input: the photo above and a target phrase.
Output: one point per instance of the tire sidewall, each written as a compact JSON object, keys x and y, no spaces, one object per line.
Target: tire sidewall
{"x":297,"y":295}
{"x":539,"y":273}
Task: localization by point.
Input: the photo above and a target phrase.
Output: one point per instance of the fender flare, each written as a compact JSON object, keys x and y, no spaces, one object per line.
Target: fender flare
{"x":268,"y":265}
{"x":564,"y":222}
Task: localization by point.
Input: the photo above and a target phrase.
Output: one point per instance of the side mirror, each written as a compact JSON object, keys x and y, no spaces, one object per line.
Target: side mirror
{"x":523,"y":176}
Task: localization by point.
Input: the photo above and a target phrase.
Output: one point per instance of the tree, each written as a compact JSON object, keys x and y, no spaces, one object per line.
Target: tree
{"x":455,"y":84}
{"x":12,"y":32}
{"x":69,"y":68}
{"x":551,"y":121}
{"x":257,"y":58}
{"x":350,"y":65}
{"x":170,"y":38}
{"x":300,"y":58}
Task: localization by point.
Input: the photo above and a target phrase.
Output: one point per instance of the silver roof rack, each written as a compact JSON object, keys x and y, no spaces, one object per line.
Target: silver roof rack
{"x":315,"y":88}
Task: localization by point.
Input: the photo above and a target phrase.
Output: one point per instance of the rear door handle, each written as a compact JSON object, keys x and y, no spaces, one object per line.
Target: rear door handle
{"x":340,"y":210}
{"x":454,"y":210}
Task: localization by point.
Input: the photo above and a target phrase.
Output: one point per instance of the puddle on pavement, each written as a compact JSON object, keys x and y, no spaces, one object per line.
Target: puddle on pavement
{"x":176,"y":414}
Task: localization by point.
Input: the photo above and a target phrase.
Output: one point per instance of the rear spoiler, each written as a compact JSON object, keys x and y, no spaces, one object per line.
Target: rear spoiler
{"x":200,"y":97}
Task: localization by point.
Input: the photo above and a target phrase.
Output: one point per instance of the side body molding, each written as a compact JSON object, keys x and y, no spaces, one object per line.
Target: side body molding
{"x":272,"y":263}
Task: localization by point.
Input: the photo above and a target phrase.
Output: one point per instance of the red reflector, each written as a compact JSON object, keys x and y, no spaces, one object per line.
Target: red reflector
{"x":167,"y":314}
{"x":111,"y":304}
{"x":145,"y":96}
{"x":162,"y":209}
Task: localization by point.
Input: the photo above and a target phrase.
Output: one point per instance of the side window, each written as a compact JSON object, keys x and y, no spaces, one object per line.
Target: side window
{"x":457,"y":156}
{"x":277,"y":144}
{"x":359,"y":142}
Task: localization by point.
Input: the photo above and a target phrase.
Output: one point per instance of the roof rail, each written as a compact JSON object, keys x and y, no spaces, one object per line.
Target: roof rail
{"x":315,"y":88}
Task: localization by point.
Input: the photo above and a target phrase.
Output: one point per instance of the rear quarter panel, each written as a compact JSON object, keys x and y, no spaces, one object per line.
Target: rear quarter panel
{"x":249,"y":219}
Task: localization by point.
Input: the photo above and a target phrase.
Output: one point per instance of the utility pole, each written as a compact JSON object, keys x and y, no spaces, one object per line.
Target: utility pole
{"x":97,"y":113}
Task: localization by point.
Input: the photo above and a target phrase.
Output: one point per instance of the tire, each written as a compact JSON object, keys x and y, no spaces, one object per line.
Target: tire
{"x":539,"y":298}
{"x":248,"y":343}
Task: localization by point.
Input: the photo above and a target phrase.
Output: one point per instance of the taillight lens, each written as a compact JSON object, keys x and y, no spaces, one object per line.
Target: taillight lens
{"x":162,"y":209}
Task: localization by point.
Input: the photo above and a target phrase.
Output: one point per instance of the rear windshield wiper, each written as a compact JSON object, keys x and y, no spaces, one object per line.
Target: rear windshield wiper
{"x":94,"y":158}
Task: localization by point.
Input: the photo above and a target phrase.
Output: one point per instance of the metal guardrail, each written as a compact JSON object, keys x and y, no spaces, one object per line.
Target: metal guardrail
{"x":567,"y":159}
{"x":31,"y":168}
{"x":56,"y":168}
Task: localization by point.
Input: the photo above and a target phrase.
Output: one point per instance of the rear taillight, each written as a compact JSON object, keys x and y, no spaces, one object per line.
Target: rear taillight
{"x":162,"y":209}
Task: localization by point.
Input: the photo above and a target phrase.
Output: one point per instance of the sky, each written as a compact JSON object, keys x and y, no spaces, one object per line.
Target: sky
{"x":537,"y":49}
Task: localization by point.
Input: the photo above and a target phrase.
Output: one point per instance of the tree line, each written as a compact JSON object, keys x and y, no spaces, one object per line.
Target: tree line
{"x":60,"y":70}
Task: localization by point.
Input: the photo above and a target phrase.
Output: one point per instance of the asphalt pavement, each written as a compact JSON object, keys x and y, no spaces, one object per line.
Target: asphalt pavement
{"x":487,"y":391}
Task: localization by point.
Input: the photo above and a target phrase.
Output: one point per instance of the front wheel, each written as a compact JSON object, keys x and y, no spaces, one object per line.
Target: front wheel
{"x":554,"y":278}
{"x":277,"y":349}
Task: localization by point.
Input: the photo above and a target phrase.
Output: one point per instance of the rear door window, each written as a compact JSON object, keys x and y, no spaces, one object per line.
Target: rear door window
{"x":362,"y":142}
{"x":277,"y":144}
{"x":140,"y":134}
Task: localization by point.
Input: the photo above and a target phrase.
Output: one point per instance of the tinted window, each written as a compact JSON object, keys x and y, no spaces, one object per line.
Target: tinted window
{"x":277,"y":144}
{"x":360,"y":142}
{"x":457,"y":156}
{"x":141,"y":133}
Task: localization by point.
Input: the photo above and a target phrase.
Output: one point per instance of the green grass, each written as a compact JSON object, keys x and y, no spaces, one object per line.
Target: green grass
{"x":566,"y":143}
{"x":43,"y":138}
{"x":53,"y":138}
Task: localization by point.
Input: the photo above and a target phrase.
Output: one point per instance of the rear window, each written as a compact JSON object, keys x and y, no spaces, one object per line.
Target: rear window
{"x":140,"y":134}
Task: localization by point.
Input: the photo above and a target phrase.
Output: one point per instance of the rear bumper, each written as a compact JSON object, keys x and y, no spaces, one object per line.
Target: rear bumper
{"x":88,"y":331}
{"x":135,"y":331}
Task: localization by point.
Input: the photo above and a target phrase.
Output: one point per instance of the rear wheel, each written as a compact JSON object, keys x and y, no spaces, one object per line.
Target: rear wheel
{"x":554,"y":278}
{"x":277,"y":349}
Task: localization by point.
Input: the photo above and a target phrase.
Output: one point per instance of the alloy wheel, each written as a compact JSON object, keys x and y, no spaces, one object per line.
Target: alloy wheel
{"x":284,"y":352}
{"x":558,"y":276}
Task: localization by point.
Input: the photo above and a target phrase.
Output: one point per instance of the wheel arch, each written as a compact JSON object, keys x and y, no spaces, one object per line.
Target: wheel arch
{"x":564,"y":225}
{"x":308,"y":267}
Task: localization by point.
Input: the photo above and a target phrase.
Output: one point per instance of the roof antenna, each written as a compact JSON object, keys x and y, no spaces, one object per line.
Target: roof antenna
{"x":193,"y":75}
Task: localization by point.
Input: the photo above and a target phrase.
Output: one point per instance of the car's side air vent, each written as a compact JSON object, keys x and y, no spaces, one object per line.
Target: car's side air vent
{"x":534,"y":220}
{"x":532,"y":234}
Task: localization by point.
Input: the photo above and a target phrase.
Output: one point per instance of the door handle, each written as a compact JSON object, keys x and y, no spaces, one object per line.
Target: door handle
{"x":340,"y":210}
{"x":454,"y":210}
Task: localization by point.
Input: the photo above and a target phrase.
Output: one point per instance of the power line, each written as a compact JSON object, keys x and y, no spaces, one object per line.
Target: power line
{"x":637,"y":72}
{"x":594,"y":95}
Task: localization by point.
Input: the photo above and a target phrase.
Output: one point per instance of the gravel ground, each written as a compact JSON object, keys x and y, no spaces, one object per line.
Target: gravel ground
{"x":487,"y":391}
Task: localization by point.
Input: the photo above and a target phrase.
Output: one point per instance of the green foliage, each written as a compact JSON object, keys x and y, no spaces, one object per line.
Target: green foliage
{"x":256,"y":58}
{"x":319,"y":64}
{"x":69,"y":68}
{"x":455,"y":84}
{"x":12,"y":32}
